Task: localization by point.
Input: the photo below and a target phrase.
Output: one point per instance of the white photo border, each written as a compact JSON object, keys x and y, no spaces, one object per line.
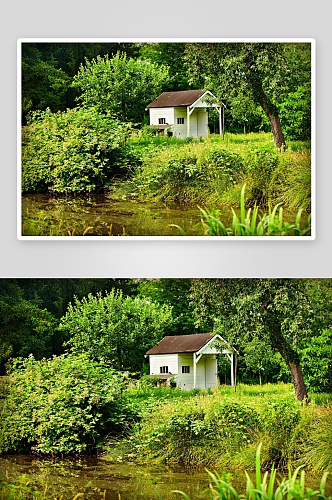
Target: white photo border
{"x":312,"y":41}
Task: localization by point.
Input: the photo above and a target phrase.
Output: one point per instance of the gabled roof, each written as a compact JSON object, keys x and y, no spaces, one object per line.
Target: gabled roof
{"x":181,"y":343}
{"x":173,"y":99}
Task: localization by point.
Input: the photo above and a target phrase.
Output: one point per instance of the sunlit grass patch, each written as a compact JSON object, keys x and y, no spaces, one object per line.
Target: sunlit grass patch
{"x":223,"y":427}
{"x":211,"y":170}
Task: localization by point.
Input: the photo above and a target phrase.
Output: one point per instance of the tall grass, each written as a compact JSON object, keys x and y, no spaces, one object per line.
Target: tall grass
{"x":317,"y":453}
{"x":213,"y":171}
{"x":267,"y":486}
{"x":184,"y":173}
{"x":252,"y":223}
{"x":223,"y":428}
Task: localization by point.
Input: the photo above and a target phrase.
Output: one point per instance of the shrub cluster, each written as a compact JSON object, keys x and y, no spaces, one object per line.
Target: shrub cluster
{"x":66,"y":405}
{"x":209,"y":170}
{"x":186,"y":173}
{"x":76,"y":151}
{"x":193,"y":432}
{"x":217,"y":430}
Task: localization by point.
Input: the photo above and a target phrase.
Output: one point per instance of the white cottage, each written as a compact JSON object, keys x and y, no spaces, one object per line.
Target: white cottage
{"x":191,"y":359}
{"x":183,"y":112}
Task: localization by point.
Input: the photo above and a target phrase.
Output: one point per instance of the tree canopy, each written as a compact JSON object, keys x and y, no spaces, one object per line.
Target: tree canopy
{"x":246,"y":75}
{"x":281,"y":327}
{"x":278,"y":313}
{"x":260,"y":83}
{"x":48,"y":69}
{"x":115,"y":328}
{"x":121,"y":85}
{"x":30,"y":310}
{"x":176,"y":294}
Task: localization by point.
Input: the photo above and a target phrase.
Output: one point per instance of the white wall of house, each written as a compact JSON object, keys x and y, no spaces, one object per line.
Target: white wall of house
{"x":185,"y":380}
{"x":156,"y":113}
{"x":206,"y":372}
{"x":198,"y":120}
{"x":180,"y":130}
{"x":198,"y":123}
{"x":211,"y":372}
{"x":158,"y":360}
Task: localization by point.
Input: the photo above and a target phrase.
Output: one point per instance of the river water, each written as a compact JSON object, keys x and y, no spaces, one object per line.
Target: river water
{"x":106,"y":216}
{"x":92,"y":476}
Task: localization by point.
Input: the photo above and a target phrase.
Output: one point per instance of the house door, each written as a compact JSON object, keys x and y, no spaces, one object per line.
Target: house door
{"x":202,"y":117}
{"x":210,"y":373}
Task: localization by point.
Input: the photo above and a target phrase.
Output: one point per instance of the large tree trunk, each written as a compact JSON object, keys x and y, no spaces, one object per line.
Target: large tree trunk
{"x":297,"y":377}
{"x":262,"y":99}
{"x":271,"y":112}
{"x":298,"y":381}
{"x":278,"y":136}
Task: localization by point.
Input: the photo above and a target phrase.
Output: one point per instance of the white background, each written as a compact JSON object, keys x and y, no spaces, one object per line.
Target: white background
{"x":119,"y":257}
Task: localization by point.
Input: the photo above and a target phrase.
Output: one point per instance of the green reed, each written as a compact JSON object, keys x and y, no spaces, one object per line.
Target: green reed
{"x":251,"y":223}
{"x":267,"y":486}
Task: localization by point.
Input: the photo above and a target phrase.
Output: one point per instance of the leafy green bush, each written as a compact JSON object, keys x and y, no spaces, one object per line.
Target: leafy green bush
{"x":67,"y":404}
{"x":279,"y":419}
{"x":193,"y":432}
{"x":186,"y":173}
{"x":76,"y":151}
{"x":295,"y":114}
{"x":147,"y":382}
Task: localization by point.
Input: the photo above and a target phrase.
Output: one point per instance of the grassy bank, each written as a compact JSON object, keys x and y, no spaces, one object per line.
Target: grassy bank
{"x":212,"y":171}
{"x":220,"y":428}
{"x":265,"y":486}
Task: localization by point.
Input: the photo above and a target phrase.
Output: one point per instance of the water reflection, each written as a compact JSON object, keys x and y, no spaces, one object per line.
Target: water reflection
{"x":92,"y":477}
{"x":102,"y":213}
{"x":107,"y":216}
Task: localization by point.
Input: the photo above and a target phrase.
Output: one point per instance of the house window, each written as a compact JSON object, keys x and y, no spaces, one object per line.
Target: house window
{"x":164,"y":369}
{"x":186,"y":369}
{"x":180,"y":121}
{"x":162,"y":121}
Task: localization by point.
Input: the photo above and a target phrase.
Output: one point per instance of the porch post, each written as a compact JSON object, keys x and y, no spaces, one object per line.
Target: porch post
{"x":232,"y":370}
{"x":194,"y":363}
{"x":220,"y":132}
{"x":188,"y":122}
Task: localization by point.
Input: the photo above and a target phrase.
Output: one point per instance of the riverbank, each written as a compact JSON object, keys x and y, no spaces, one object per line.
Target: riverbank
{"x":212,"y":171}
{"x":92,"y":215}
{"x":163,"y":180}
{"x":72,"y":405}
{"x":220,"y":428}
{"x":25,"y":477}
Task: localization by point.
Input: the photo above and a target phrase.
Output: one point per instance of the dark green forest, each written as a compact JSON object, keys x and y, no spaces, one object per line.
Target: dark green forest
{"x":41,"y":317}
{"x":277,"y":81}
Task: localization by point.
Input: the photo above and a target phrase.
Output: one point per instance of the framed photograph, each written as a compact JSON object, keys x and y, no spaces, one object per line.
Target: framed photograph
{"x":166,"y":139}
